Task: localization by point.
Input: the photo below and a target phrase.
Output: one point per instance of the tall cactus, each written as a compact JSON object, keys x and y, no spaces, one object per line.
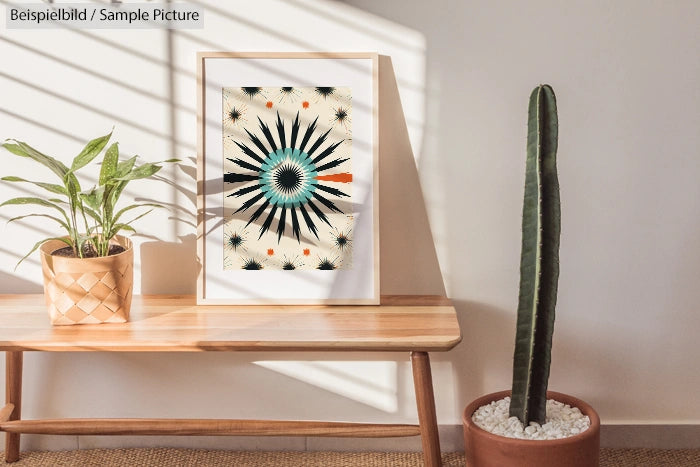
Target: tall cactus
{"x":539,"y":261}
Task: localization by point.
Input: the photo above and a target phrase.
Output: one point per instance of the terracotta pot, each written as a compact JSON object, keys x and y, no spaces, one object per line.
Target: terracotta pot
{"x":484,"y":449}
{"x":88,"y":290}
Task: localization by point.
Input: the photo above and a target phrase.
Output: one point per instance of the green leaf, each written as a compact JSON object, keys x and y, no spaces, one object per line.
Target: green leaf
{"x":116,"y":228}
{"x":108,"y":202}
{"x":24,"y":150}
{"x":53,"y":188}
{"x":90,"y":151}
{"x":58,"y":201}
{"x":94,"y":214}
{"x":67,"y":177}
{"x":142,"y":171}
{"x":63,"y":224}
{"x":117,"y":191}
{"x":32,"y":200}
{"x":125,"y":167}
{"x":51,"y":203}
{"x":38,"y":244}
{"x":109,"y":164}
{"x":93,"y":198}
{"x":15,"y":149}
{"x":73,"y":187}
{"x":134,"y":206}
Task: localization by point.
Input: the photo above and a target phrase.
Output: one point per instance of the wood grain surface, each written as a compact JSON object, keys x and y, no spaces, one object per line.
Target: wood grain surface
{"x":207,"y":427}
{"x":14,"y":362}
{"x":175,"y":323}
{"x":425,"y":402}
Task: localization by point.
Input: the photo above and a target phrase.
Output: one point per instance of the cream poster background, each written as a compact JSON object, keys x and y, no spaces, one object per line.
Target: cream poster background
{"x":287,"y":178}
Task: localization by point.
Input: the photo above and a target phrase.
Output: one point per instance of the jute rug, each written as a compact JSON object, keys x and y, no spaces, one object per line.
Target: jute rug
{"x":190,"y":457}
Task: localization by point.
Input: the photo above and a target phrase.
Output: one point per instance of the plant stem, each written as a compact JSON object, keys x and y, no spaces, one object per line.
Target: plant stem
{"x":76,"y":240}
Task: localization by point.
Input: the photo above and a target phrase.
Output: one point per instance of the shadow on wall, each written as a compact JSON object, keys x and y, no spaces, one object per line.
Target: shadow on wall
{"x":408,"y":260}
{"x":486,"y":349}
{"x":20,"y":285}
{"x":170,"y":267}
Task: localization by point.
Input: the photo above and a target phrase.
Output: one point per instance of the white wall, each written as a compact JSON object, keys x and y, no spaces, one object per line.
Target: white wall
{"x":626,"y":75}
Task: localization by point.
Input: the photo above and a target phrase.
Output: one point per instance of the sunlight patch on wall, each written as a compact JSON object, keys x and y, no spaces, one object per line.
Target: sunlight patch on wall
{"x":370,"y":383}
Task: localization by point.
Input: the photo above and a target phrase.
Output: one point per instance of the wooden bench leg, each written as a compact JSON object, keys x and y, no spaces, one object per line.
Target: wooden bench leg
{"x":13,"y":395}
{"x":425,"y":399}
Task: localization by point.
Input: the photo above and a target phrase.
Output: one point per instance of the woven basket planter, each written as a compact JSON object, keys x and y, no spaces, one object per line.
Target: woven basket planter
{"x":88,"y":290}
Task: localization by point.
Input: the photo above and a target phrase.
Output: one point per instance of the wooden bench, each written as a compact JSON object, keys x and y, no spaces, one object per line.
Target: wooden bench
{"x":416,"y":324}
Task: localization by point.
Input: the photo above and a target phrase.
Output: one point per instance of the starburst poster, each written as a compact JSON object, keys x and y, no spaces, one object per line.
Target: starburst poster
{"x":287,"y":178}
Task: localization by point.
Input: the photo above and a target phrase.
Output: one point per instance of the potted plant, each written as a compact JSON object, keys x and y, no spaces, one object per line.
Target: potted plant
{"x":88,"y":273}
{"x":520,"y":427}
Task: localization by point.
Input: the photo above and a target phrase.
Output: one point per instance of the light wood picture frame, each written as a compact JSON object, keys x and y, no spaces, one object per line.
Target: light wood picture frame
{"x":287,"y":178}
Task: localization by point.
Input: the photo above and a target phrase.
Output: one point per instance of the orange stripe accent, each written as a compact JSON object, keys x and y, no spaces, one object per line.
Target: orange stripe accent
{"x":341,"y":177}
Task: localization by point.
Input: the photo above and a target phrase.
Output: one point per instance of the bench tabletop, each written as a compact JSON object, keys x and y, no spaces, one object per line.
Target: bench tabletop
{"x":175,"y":323}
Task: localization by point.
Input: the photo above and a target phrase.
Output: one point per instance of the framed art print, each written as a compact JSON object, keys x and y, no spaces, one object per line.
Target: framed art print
{"x":287,"y":178}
